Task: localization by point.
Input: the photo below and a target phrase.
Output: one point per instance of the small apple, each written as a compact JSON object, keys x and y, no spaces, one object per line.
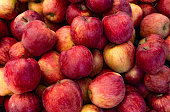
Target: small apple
{"x":167,"y":40}
{"x":91,"y":108}
{"x":36,"y":6}
{"x":3,"y":29}
{"x":147,"y":9}
{"x":163,"y":7}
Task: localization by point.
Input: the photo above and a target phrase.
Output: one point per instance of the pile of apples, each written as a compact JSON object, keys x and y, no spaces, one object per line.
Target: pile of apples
{"x":84,"y":55}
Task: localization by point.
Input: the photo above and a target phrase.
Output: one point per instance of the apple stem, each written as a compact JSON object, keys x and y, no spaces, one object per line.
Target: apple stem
{"x":24,"y":19}
{"x":144,"y":48}
{"x":160,"y":95}
{"x":22,"y":55}
{"x":84,"y":18}
{"x":116,"y":12}
{"x":58,"y":82}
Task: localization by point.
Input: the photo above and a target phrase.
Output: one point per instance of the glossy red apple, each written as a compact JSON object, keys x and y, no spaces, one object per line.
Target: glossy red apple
{"x":39,"y":42}
{"x":3,"y":29}
{"x":76,"y":62}
{"x":102,"y":94}
{"x":147,"y":9}
{"x":87,"y":31}
{"x":118,"y":27}
{"x":70,"y":100}
{"x":22,"y":75}
{"x":163,"y":7}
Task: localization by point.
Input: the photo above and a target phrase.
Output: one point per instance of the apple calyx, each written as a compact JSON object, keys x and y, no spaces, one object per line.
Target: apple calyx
{"x":165,"y":26}
{"x":51,"y":14}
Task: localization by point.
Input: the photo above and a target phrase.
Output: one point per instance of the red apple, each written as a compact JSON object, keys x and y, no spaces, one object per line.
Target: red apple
{"x":37,"y":38}
{"x":19,"y":24}
{"x":119,"y":58}
{"x":55,"y":10}
{"x":64,"y":40}
{"x":22,"y":75}
{"x":39,"y":91}
{"x":134,"y":76}
{"x":76,"y":9}
{"x":99,"y":6}
{"x":76,"y":62}
{"x":50,"y":70}
{"x":70,"y":100}
{"x":133,"y":102}
{"x":143,"y":90}
{"x":17,"y":50}
{"x":118,"y":28}
{"x":91,"y":108}
{"x":26,"y":102}
{"x":163,"y":7}
{"x":159,"y":102}
{"x":36,"y":6}
{"x":159,"y":82}
{"x":87,"y":31}
{"x":3,"y":29}
{"x":167,"y":40}
{"x":147,"y":1}
{"x":5,"y":45}
{"x":155,"y":23}
{"x":102,"y":94}
{"x":147,"y":9}
{"x":6,"y":100}
{"x":150,"y":57}
{"x":1,"y":100}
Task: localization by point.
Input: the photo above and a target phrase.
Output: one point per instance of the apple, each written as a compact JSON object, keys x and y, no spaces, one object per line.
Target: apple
{"x":50,"y":70}
{"x":159,"y":102}
{"x":19,"y":24}
{"x":119,"y":58}
{"x":4,"y":89}
{"x":17,"y":50}
{"x":70,"y":100}
{"x":5,"y":45}
{"x":3,"y":29}
{"x":39,"y":42}
{"x":36,"y":6}
{"x":133,"y":102}
{"x":91,"y":108}
{"x":6,"y":100}
{"x":64,"y":39}
{"x":99,"y":6}
{"x":147,"y":9}
{"x":77,"y":9}
{"x":150,"y":57}
{"x":84,"y":84}
{"x":39,"y":91}
{"x":22,"y":75}
{"x":97,"y":63}
{"x":55,"y":10}
{"x":76,"y":62}
{"x":103,"y":41}
{"x":75,"y":1}
{"x":147,"y":1}
{"x":1,"y":100}
{"x":26,"y":102}
{"x":167,"y":40}
{"x":8,"y":9}
{"x":102,"y":94}
{"x":143,"y":90}
{"x":163,"y":7}
{"x":52,"y":26}
{"x":87,"y":31}
{"x":119,"y":5}
{"x":137,"y":14}
{"x":134,"y":76}
{"x":118,"y":28}
{"x":149,"y":25}
{"x":159,"y":82}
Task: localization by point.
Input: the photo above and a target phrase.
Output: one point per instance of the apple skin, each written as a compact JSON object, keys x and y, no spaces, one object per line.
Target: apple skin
{"x":5,"y":45}
{"x":147,"y":9}
{"x":159,"y":102}
{"x":17,"y":50}
{"x":167,"y":40}
{"x":76,"y":9}
{"x":18,"y":25}
{"x":99,"y":6}
{"x":91,"y":108}
{"x":163,"y":7}
{"x":133,"y":102}
{"x":26,"y":102}
{"x":84,"y":84}
{"x":3,"y":29}
{"x":71,"y":99}
{"x":159,"y":82}
{"x":143,"y":90}
{"x":36,"y":6}
{"x":50,"y":70}
{"x":137,"y":14}
{"x":4,"y":89}
{"x":149,"y":25}
{"x":150,"y":57}
{"x":76,"y":62}
{"x":22,"y":75}
{"x":39,"y":91}
{"x":1,"y":100}
{"x":75,"y":1}
{"x":64,"y":39}
{"x":118,"y":28}
{"x":119,"y":5}
{"x":87,"y":31}
{"x":39,"y":42}
{"x":55,"y":10}
{"x":147,"y":1}
{"x":119,"y":58}
{"x":103,"y":41}
{"x":6,"y":100}
{"x":102,"y":94}
{"x":9,"y":9}
{"x":134,"y":76}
